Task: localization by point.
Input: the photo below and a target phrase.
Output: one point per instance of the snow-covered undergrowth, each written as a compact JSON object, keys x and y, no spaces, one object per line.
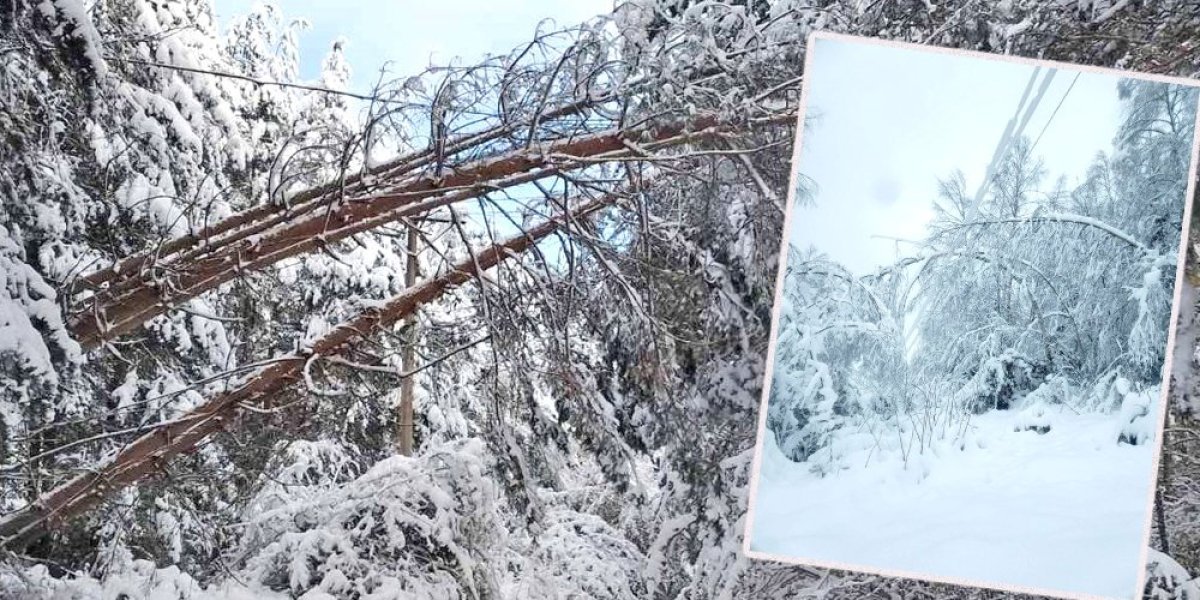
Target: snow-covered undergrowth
{"x":1166,"y":579}
{"x":141,"y":581}
{"x":996,"y":504}
{"x":429,"y":527}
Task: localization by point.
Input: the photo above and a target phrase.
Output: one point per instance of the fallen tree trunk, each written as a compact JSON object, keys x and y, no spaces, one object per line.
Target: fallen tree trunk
{"x":114,"y":313}
{"x":146,"y":454}
{"x":265,"y":216}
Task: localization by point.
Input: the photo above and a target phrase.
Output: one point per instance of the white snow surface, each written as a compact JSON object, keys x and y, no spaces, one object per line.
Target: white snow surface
{"x":1061,"y":511}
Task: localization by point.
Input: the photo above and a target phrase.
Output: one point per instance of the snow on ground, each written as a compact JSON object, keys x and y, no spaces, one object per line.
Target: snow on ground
{"x":142,"y":580}
{"x":1062,"y":511}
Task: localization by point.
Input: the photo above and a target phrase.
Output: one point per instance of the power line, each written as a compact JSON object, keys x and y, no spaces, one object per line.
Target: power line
{"x":1014,"y":128}
{"x":1032,"y":108}
{"x":253,"y":80}
{"x":1060,"y":103}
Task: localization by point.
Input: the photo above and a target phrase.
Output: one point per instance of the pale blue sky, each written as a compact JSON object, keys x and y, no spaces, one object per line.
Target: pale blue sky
{"x":894,"y":120}
{"x":414,"y":33}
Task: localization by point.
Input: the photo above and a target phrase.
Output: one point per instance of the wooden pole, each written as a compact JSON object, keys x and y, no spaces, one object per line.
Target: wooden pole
{"x":408,"y":356}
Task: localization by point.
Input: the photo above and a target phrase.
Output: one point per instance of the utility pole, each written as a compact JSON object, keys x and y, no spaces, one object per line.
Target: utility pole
{"x":412,"y":267}
{"x":408,"y":355}
{"x":1012,"y":131}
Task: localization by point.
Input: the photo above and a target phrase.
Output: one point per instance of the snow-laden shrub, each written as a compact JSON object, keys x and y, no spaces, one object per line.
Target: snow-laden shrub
{"x":28,"y":302}
{"x":578,"y":555}
{"x":1056,"y":389}
{"x":1148,"y":333}
{"x":304,"y":467}
{"x":299,"y":472}
{"x":801,"y":410}
{"x":1034,"y":417}
{"x":140,"y":580}
{"x":1136,"y":422}
{"x":409,"y":527}
{"x":1000,"y":382}
{"x":1107,"y":393}
{"x":1168,"y":580}
{"x":807,"y":407}
{"x":1035,"y":412}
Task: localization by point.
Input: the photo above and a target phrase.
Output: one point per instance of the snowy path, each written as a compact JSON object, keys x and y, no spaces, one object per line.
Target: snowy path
{"x":1061,"y":511}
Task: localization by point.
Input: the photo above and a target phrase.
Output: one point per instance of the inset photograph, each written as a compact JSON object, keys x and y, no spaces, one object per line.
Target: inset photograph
{"x":966,"y":375}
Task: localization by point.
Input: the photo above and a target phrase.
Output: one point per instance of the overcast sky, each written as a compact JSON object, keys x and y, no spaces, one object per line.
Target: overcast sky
{"x":414,"y":33}
{"x":892,"y":121}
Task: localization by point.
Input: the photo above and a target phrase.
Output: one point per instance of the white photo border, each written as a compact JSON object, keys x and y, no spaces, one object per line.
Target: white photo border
{"x":1181,"y":262}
